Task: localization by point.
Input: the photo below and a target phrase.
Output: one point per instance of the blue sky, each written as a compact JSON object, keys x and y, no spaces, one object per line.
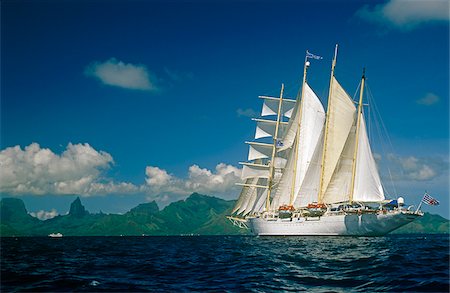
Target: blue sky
{"x":127,"y":101}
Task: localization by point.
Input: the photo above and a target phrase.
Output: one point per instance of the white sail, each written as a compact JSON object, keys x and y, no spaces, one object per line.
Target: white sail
{"x":266,"y":128}
{"x":251,"y":201}
{"x":255,"y":198}
{"x":270,"y":106}
{"x":311,"y":124}
{"x":250,"y":170}
{"x":261,"y":197}
{"x":309,"y":190}
{"x":259,"y":150}
{"x":341,"y":115}
{"x":338,"y":189}
{"x":280,"y":163}
{"x":244,"y":196}
{"x":283,"y":188}
{"x":290,"y":131}
{"x":367,"y":179}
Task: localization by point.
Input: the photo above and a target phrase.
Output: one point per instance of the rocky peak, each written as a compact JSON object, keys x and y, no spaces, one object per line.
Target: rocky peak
{"x":77,"y":209}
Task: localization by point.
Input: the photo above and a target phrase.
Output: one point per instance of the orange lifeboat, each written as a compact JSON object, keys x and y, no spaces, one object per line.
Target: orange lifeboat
{"x":287,"y":208}
{"x":315,"y":205}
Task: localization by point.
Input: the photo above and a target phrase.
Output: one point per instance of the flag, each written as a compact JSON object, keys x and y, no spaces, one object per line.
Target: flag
{"x":427,"y":199}
{"x":311,"y":55}
{"x":280,"y":143}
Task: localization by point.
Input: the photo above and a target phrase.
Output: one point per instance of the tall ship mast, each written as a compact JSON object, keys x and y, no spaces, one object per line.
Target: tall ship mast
{"x":311,"y":172}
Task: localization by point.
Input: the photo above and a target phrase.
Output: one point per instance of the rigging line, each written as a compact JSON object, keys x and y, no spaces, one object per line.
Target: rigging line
{"x":380,"y":136}
{"x":384,"y":126}
{"x":356,"y":91}
{"x":369,"y":115}
{"x":378,"y":118}
{"x":377,"y":125}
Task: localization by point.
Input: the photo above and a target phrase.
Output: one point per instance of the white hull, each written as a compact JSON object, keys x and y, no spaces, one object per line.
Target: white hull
{"x":333,"y":224}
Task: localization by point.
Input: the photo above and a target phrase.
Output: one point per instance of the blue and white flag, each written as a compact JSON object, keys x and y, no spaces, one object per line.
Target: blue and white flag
{"x":311,"y":55}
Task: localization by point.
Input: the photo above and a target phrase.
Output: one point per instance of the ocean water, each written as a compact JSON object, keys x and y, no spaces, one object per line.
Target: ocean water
{"x":395,"y":263}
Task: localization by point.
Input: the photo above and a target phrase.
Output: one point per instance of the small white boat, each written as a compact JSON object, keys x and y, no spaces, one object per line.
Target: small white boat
{"x":55,"y":235}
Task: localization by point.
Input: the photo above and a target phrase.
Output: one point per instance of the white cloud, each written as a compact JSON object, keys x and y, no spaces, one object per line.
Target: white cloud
{"x":418,"y":169}
{"x":44,"y":215}
{"x":406,"y":14}
{"x":126,"y":75}
{"x":166,"y":187}
{"x":78,"y":170}
{"x":156,"y":176}
{"x":246,"y":113}
{"x":428,"y":100}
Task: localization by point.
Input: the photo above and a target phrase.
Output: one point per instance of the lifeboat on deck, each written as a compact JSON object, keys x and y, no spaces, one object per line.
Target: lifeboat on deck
{"x":288,"y":208}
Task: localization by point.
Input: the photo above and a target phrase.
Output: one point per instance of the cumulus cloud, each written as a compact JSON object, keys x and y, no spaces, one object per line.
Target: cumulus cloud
{"x":168,"y":187}
{"x":428,"y":100}
{"x":406,"y":14}
{"x":78,"y":170}
{"x":44,"y":215}
{"x":246,"y":113}
{"x":125,"y":75}
{"x":418,"y":169}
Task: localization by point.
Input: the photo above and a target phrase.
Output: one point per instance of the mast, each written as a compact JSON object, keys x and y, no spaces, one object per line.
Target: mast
{"x":305,"y":69}
{"x":358,"y":125}
{"x":321,"y":191}
{"x":275,"y":140}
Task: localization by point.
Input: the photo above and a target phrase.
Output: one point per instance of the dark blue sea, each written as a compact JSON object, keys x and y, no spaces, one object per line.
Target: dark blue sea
{"x":395,"y":263}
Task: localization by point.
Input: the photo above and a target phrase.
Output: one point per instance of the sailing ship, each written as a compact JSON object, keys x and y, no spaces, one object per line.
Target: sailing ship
{"x":317,"y":174}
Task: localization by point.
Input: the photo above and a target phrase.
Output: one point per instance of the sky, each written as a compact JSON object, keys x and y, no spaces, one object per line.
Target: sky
{"x":123,"y":102}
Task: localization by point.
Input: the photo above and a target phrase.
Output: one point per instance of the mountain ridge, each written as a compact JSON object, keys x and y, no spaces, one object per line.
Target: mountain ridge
{"x":197,"y":214}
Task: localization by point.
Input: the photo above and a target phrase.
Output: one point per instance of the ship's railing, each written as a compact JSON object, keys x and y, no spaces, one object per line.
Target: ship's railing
{"x":356,"y":209}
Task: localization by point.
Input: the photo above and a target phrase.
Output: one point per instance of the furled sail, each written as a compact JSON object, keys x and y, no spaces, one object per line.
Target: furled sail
{"x":367,"y":179}
{"x":312,"y":120}
{"x":341,"y":117}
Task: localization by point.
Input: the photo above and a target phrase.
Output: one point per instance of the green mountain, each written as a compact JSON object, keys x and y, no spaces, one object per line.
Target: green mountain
{"x":14,"y":218}
{"x":198,"y":214}
{"x":429,"y":223}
